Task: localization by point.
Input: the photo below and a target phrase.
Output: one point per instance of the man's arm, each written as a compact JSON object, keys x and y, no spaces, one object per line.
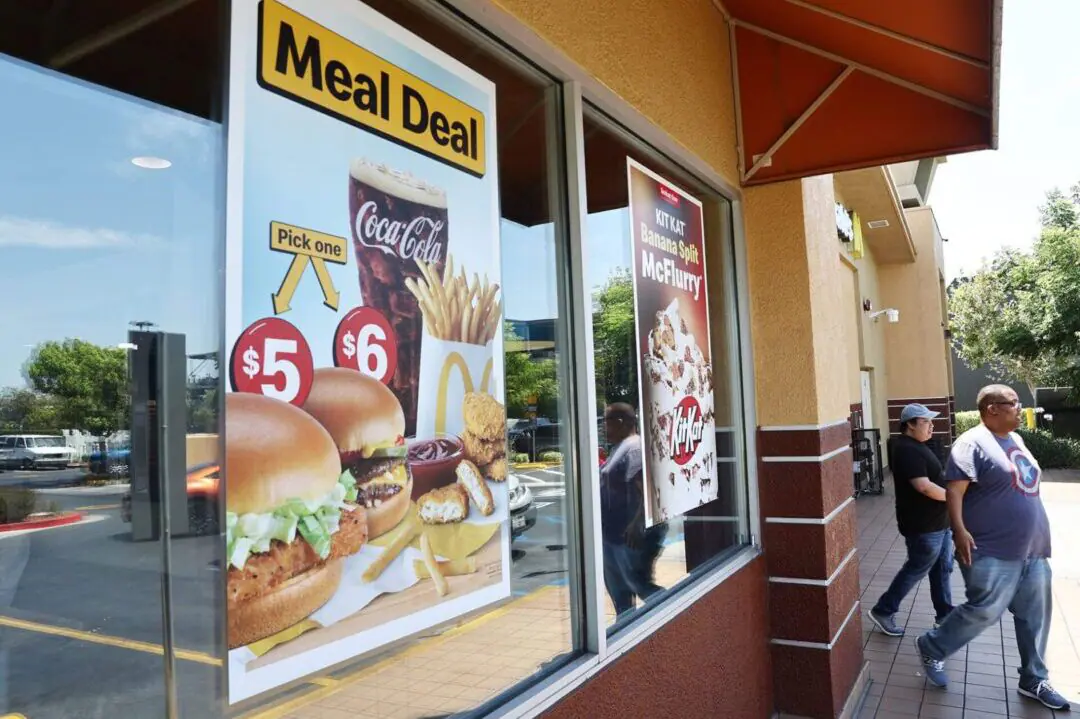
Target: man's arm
{"x":924,"y":486}
{"x":954,"y":501}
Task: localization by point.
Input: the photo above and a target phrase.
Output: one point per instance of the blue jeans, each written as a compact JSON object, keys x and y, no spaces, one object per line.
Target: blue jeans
{"x":993,"y":585}
{"x":629,"y":572}
{"x":930,"y":553}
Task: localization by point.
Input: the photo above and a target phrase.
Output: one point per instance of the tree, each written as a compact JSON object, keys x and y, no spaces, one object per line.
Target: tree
{"x":1021,"y":312}
{"x":527,"y":377}
{"x":89,"y":383}
{"x":614,"y":339}
{"x":24,"y":410}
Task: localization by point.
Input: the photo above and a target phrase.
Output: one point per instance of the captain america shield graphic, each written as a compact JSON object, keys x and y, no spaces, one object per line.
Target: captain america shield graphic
{"x":1025,"y":472}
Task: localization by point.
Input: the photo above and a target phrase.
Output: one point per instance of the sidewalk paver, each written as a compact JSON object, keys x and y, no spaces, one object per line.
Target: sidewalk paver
{"x":982,"y":676}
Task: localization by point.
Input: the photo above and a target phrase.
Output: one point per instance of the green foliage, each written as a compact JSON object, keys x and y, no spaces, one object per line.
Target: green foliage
{"x":16,"y":505}
{"x":519,"y":458}
{"x":966,"y":421}
{"x":1050,"y":451}
{"x":527,"y":377}
{"x":88,"y":382}
{"x":614,"y":340}
{"x":24,"y":410}
{"x":551,"y":457}
{"x":1021,"y":312}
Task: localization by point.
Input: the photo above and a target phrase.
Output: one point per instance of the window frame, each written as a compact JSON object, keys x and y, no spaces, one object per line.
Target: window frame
{"x":579,"y":87}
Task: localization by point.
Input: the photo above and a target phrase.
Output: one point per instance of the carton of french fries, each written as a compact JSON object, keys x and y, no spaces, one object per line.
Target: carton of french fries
{"x":462,"y":313}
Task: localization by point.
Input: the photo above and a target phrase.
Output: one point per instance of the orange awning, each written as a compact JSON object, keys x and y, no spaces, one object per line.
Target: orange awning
{"x":828,"y":85}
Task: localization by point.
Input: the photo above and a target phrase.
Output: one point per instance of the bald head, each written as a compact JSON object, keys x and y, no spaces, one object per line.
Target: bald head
{"x":993,"y":394}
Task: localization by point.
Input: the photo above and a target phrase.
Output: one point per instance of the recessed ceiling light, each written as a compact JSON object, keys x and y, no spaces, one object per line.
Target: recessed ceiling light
{"x":151,"y":163}
{"x":877,"y":224}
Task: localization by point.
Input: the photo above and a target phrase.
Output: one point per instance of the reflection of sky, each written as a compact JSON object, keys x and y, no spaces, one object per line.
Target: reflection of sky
{"x":89,"y":241}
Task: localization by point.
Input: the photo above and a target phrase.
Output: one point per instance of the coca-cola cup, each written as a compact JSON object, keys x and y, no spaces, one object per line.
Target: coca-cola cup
{"x":397,"y":221}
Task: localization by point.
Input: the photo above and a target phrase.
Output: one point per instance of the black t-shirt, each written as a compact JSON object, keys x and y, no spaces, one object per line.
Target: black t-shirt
{"x":915,"y":512}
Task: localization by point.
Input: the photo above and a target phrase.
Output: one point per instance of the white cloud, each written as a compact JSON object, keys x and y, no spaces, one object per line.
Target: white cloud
{"x":27,"y":232}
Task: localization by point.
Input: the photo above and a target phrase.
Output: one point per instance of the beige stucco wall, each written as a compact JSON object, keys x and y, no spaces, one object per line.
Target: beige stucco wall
{"x":798,"y":303}
{"x":673,"y":64}
{"x":916,"y":347}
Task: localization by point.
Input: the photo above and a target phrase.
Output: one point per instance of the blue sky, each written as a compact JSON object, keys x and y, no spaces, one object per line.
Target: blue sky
{"x":988,"y":200}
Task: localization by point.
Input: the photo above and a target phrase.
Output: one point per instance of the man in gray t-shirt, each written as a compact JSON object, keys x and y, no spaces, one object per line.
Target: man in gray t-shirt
{"x":1002,"y":541}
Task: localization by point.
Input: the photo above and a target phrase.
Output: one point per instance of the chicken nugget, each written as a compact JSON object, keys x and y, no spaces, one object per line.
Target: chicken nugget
{"x":484,"y":416}
{"x":469,"y":477}
{"x":497,"y":471}
{"x":445,"y":505}
{"x":481,"y":451}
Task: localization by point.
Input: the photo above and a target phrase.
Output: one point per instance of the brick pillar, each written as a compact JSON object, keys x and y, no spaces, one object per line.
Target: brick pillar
{"x":801,"y":379}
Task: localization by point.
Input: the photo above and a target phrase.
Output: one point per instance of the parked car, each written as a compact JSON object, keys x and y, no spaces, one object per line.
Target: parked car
{"x":534,"y":440}
{"x":522,"y":510}
{"x":35,"y":451}
{"x":202,"y":495}
{"x":113,"y":460}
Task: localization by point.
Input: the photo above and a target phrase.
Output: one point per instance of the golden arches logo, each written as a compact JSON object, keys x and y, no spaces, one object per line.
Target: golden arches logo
{"x":454,"y":359}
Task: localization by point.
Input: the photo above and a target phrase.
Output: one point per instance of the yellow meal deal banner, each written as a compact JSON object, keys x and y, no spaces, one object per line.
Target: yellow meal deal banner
{"x":306,"y":62}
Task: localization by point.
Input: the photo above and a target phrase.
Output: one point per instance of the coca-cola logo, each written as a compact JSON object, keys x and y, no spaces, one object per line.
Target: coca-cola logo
{"x":687,"y":429}
{"x":420,"y":238}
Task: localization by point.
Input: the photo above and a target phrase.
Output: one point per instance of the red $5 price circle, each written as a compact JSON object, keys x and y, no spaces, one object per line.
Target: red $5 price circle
{"x":272,"y":358}
{"x":365,"y":341}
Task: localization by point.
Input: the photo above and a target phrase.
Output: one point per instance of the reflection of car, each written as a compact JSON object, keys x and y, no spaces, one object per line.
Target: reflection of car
{"x":522,"y":511}
{"x":112,"y":461}
{"x":34,"y":451}
{"x":202,"y":494}
{"x":534,"y":440}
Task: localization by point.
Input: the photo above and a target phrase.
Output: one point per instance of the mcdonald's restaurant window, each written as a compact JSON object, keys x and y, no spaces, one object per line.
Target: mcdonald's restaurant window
{"x":281,"y":417}
{"x":673,"y":486}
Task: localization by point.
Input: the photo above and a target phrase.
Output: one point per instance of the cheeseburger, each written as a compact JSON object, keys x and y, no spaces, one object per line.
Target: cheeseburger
{"x":366,"y":422}
{"x":289,"y":520}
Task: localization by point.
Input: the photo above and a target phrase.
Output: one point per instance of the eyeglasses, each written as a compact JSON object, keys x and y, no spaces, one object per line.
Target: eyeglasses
{"x":1015,"y":403}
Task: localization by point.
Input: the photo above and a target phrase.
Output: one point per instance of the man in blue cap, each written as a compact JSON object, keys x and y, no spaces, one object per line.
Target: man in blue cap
{"x":1002,"y":543}
{"x":921,"y":517}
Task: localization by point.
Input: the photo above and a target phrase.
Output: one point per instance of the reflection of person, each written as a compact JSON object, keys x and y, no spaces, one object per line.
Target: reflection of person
{"x":921,"y":518}
{"x":1002,"y":540}
{"x":630,"y":550}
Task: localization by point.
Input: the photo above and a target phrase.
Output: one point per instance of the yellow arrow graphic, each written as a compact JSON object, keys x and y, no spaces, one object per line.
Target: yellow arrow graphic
{"x":306,"y":246}
{"x":284,"y":295}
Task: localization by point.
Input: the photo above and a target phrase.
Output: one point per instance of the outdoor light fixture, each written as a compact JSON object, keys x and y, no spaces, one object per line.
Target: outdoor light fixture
{"x":151,"y":163}
{"x":892,"y":315}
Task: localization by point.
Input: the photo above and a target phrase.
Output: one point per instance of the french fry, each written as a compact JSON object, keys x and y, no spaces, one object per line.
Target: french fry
{"x":448,"y":568}
{"x":404,"y":534}
{"x":433,"y":566}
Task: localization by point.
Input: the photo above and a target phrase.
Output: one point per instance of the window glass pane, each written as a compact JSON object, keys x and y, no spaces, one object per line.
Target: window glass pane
{"x":464,"y":663}
{"x":698,"y":501}
{"x":109,"y":228}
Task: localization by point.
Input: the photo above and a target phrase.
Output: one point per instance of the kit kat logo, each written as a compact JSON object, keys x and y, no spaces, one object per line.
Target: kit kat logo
{"x":669,"y":195}
{"x":687,"y":429}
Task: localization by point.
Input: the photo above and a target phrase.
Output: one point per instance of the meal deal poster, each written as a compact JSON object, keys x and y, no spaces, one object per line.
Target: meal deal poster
{"x":675,"y":356}
{"x":365,"y":469}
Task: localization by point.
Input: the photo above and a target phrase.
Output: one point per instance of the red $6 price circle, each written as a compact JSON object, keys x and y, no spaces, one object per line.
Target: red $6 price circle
{"x":272,"y":358}
{"x":365,"y":341}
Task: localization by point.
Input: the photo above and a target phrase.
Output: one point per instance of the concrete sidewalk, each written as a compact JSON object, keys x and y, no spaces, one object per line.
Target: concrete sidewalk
{"x":982,"y":677}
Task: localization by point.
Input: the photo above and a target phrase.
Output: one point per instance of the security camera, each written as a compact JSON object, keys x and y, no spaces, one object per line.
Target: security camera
{"x":893,"y":316}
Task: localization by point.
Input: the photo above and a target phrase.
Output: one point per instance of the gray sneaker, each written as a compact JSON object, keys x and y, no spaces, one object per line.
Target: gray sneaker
{"x":1043,"y":692}
{"x":934,"y":668}
{"x":886,"y":624}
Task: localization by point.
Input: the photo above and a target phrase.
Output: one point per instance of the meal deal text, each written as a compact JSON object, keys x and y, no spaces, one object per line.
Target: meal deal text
{"x":365,"y":446}
{"x":675,"y":357}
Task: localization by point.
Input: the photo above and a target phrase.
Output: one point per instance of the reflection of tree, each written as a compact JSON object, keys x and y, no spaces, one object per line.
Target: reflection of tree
{"x":526,"y":377}
{"x":202,"y":395}
{"x":87,"y":383}
{"x":614,"y":340}
{"x":25,"y":410}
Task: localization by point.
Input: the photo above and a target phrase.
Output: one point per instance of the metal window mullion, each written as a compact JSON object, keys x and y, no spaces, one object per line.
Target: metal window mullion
{"x":745,"y":357}
{"x":586,"y":559}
